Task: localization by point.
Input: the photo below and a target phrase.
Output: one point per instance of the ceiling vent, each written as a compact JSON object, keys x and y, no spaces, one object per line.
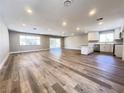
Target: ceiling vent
{"x":67,"y":2}
{"x":99,"y":19}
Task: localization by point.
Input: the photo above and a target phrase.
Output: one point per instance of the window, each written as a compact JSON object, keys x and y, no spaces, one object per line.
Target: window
{"x":107,"y":36}
{"x":29,"y":40}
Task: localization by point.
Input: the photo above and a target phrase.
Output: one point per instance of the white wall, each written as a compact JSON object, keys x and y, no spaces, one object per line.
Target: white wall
{"x":75,"y":42}
{"x":4,"y":43}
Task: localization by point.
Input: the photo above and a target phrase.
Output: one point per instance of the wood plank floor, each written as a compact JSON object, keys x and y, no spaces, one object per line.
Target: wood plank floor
{"x":62,"y":71}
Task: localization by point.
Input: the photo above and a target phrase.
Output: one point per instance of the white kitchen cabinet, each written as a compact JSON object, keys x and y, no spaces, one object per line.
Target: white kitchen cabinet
{"x":118,"y":50}
{"x":106,"y":48}
{"x":102,"y":47}
{"x":93,"y":36}
{"x":117,"y":32}
{"x":109,"y":48}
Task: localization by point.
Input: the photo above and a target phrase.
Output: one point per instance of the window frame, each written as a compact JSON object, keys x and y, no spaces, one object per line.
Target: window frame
{"x":29,"y":38}
{"x":105,"y":33}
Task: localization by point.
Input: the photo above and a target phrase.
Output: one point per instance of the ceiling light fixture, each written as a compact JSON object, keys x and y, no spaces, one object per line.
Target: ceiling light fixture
{"x":77,"y":28}
{"x":92,"y":12}
{"x":49,"y":29}
{"x":28,"y":10}
{"x":67,"y":2}
{"x":100,"y":23}
{"x":63,"y":32}
{"x":23,"y":24}
{"x":64,"y":23}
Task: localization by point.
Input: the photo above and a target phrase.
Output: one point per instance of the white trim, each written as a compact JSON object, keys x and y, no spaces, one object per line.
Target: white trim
{"x":4,"y":60}
{"x":27,"y":51}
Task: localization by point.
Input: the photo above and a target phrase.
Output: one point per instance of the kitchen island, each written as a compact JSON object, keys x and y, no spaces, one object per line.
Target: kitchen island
{"x":86,"y":49}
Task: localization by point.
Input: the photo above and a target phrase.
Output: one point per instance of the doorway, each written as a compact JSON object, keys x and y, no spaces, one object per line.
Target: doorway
{"x":55,"y":43}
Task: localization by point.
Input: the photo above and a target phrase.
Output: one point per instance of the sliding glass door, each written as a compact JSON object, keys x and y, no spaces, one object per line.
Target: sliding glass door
{"x":55,"y":43}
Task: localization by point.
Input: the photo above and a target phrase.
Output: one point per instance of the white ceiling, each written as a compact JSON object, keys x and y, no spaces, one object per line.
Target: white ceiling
{"x":49,"y":14}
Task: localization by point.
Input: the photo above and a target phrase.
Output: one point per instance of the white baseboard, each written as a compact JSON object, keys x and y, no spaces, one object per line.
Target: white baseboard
{"x":4,"y":60}
{"x":16,"y":52}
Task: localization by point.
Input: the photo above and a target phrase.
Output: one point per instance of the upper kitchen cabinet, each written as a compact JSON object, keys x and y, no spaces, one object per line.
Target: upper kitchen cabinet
{"x":118,"y":33}
{"x":93,"y":36}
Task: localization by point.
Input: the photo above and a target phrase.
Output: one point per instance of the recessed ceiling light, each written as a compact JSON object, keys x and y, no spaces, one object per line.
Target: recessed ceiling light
{"x":49,"y":29}
{"x":28,"y":10}
{"x":92,"y":12}
{"x":23,"y":24}
{"x":100,"y":23}
{"x":77,"y":28}
{"x":64,"y":23}
{"x":63,"y":32}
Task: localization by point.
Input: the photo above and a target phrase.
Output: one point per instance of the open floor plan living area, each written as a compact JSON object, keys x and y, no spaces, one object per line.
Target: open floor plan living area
{"x":62,"y":46}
